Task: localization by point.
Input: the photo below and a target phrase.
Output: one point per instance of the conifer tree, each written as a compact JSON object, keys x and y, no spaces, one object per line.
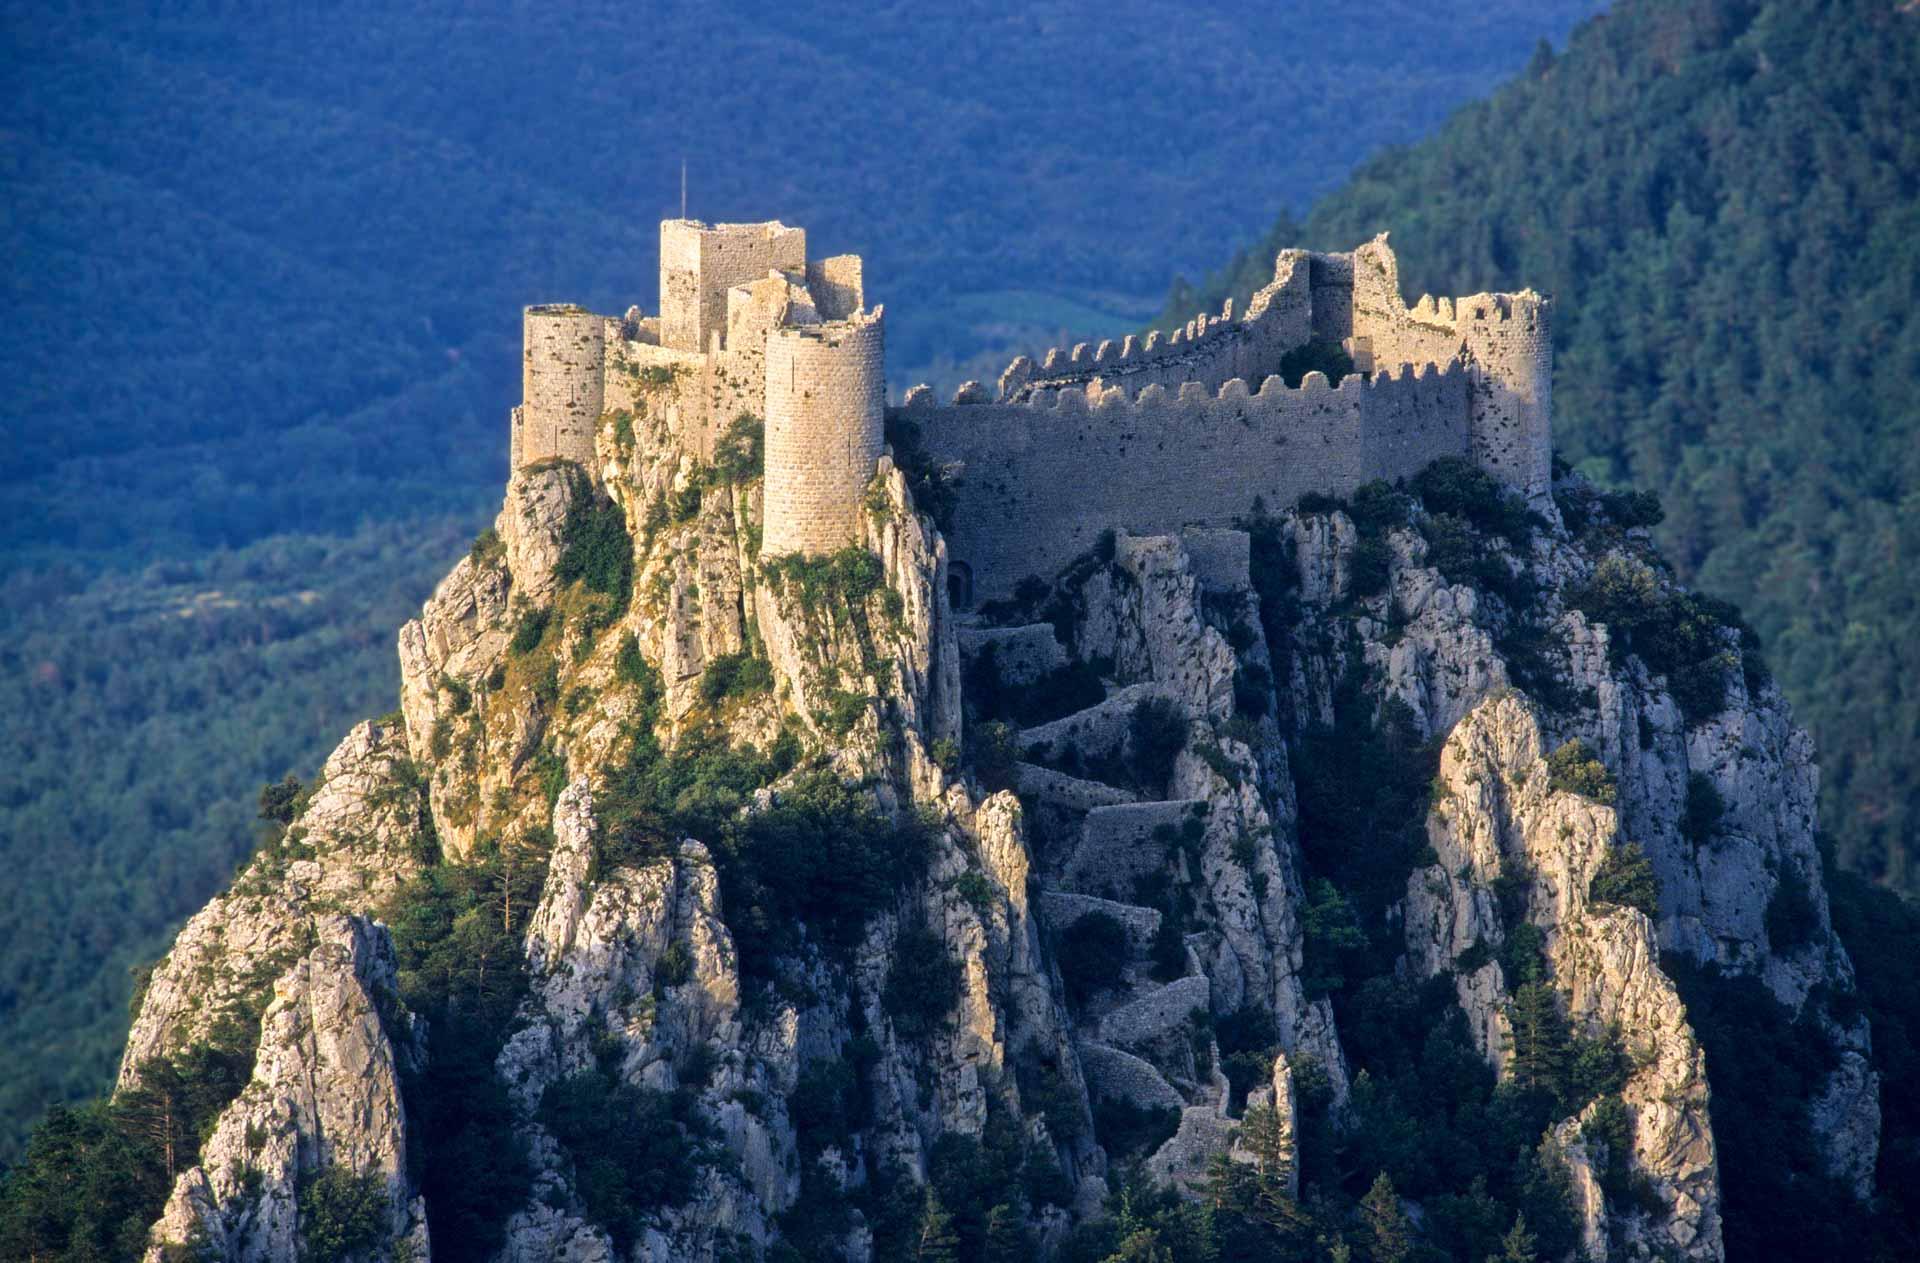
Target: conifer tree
{"x":1518,"y":1246}
{"x":1389,"y":1232}
{"x":936,"y":1242}
{"x":1006,"y":1236}
{"x":1539,"y":1037}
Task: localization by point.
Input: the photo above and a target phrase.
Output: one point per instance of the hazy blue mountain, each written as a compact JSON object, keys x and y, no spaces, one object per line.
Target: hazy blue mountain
{"x":321,"y":229}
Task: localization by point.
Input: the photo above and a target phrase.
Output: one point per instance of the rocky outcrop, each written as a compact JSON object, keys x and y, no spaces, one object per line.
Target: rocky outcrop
{"x":325,"y":1097}
{"x":360,"y":837}
{"x":1499,"y":815}
{"x":1159,"y":821}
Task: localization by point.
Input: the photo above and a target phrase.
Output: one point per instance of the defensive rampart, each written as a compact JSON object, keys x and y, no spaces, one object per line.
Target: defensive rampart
{"x":1041,"y":477}
{"x":1210,"y":350}
{"x":1153,"y":434}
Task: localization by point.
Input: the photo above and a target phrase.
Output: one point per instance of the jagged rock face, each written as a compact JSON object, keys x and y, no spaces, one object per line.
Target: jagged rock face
{"x":325,"y":1093}
{"x":596,"y":951}
{"x":1498,"y":815}
{"x":1158,"y":819}
{"x":352,"y":847}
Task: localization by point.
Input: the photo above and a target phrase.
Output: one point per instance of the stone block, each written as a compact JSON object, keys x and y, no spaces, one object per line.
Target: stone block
{"x":1118,"y":845}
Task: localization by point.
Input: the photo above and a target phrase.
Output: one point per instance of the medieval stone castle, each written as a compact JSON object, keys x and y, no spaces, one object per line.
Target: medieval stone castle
{"x":1150,"y":435}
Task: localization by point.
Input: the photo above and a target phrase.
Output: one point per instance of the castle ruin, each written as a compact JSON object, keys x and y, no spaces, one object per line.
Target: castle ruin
{"x":1150,"y":435}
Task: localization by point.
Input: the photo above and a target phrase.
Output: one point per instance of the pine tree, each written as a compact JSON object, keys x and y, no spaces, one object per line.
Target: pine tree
{"x":936,"y":1242}
{"x":1260,"y":1191}
{"x":1389,"y":1232}
{"x":1539,"y":1037}
{"x":1006,"y":1236}
{"x":1518,"y":1246}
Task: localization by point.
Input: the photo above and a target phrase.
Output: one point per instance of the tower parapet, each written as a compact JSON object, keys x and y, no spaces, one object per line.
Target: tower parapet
{"x":563,"y":385}
{"x":826,"y":398}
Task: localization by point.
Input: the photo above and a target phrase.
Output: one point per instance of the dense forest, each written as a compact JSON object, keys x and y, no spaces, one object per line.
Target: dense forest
{"x":265,"y":280}
{"x":1724,"y":198}
{"x":142,"y":718}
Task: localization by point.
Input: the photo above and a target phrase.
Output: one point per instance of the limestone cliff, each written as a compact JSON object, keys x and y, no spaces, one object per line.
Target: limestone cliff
{"x":770,"y":895}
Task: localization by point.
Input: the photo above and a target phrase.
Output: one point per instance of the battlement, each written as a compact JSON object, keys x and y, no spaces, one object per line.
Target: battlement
{"x":1165,"y":460}
{"x":1211,"y":349}
{"x":1154,"y":434}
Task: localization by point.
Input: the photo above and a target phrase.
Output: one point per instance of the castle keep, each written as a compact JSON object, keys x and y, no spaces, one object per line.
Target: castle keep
{"x":1151,"y":435}
{"x":747,"y":325}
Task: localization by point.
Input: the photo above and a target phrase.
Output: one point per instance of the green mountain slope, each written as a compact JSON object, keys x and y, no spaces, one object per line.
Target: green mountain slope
{"x":1723,"y":197}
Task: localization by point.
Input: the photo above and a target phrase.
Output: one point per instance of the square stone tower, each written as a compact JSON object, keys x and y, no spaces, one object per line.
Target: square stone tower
{"x":700,"y":262}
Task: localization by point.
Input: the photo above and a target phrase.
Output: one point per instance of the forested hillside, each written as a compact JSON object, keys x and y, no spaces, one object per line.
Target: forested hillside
{"x":1721,"y":194}
{"x":264,"y":275}
{"x":141,"y":720}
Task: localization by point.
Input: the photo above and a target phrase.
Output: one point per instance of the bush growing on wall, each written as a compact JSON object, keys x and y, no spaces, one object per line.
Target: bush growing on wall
{"x":1092,"y":954}
{"x":739,"y":454}
{"x":1156,"y":731}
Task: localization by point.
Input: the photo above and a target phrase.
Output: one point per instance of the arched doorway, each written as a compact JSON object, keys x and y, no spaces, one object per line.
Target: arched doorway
{"x":959,"y":585}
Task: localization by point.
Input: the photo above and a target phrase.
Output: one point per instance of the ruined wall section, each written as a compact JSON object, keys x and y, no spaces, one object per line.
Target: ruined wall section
{"x":700,"y":262}
{"x":1385,"y":331}
{"x":1041,"y":479}
{"x":562,"y":385}
{"x":826,"y":398}
{"x":1509,"y":341}
{"x":1331,"y":305}
{"x":838,"y":286}
{"x":664,"y":389}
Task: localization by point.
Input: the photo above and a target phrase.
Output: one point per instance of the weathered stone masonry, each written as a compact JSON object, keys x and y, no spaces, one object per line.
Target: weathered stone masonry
{"x":1040,"y":479}
{"x":562,"y":385}
{"x":1150,"y":435}
{"x":826,"y":391}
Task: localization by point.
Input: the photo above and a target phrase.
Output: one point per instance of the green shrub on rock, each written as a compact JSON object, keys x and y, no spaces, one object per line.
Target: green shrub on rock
{"x":1575,"y":769}
{"x":1625,"y":877}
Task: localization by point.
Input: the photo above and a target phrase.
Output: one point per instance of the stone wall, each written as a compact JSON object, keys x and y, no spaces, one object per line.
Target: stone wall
{"x":1151,"y":434}
{"x":1041,"y":479}
{"x":1385,"y":330}
{"x":838,"y":287}
{"x":562,"y":385}
{"x":700,"y":262}
{"x":826,"y":392}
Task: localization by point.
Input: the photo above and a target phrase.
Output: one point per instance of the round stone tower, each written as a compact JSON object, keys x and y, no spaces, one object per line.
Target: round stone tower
{"x":1510,"y":339}
{"x":826,"y":392}
{"x":563,"y":385}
